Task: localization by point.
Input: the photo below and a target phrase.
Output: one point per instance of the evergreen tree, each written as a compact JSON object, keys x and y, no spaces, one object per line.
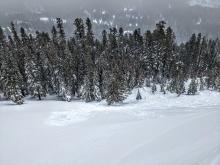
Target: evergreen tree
{"x":19,"y":51}
{"x":162,"y":88}
{"x":2,"y":52}
{"x":180,"y":88}
{"x":169,"y":57}
{"x":102,"y":65}
{"x":202,"y":84}
{"x":192,"y":90}
{"x":153,"y":88}
{"x":35,"y":85}
{"x":217,"y":84}
{"x":90,"y":93}
{"x":80,"y":67}
{"x":138,"y":97}
{"x":64,"y":66}
{"x":158,"y":50}
{"x":116,"y":89}
{"x":11,"y":78}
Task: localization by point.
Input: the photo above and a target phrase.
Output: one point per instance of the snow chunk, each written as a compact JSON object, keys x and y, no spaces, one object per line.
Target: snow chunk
{"x":199,"y":21}
{"x":44,"y":19}
{"x":95,"y":21}
{"x":67,"y":118}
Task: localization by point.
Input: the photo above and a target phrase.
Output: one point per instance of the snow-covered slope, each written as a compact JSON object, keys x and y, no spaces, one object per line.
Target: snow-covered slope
{"x":205,"y":3}
{"x":159,"y":130}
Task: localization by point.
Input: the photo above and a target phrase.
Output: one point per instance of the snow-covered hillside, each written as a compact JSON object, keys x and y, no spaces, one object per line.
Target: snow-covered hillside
{"x":136,"y":14}
{"x":205,"y":3}
{"x":158,"y":130}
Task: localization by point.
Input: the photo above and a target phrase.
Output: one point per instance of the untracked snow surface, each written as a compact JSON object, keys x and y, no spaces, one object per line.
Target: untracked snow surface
{"x":158,"y":130}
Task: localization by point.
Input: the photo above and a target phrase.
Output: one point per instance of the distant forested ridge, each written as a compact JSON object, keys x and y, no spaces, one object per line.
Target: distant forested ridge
{"x":93,"y":69}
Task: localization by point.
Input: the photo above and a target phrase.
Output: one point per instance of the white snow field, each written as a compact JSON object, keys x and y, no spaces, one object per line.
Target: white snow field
{"x":159,"y":130}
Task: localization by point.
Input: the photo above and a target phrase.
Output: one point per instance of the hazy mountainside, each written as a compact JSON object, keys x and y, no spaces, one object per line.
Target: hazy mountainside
{"x":205,"y":3}
{"x":34,"y":15}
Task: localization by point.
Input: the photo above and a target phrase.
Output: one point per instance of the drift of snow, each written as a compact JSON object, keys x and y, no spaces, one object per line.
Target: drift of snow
{"x":158,"y":130}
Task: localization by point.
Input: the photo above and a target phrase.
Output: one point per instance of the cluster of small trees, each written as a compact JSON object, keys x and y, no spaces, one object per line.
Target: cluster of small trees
{"x":108,"y":68}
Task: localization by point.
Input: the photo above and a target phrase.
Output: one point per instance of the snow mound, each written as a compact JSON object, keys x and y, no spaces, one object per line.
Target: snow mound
{"x":169,"y":100}
{"x":150,"y":107}
{"x":68,"y":117}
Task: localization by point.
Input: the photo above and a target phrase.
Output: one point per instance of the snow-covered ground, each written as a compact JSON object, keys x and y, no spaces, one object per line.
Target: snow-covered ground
{"x":159,"y":130}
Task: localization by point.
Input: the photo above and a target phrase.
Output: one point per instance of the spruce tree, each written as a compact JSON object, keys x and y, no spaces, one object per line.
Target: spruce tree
{"x":116,"y":89}
{"x":180,"y":87}
{"x":154,"y":88}
{"x":64,"y":67}
{"x":138,"y":97}
{"x":2,"y":52}
{"x":162,"y":88}
{"x":19,"y":51}
{"x":192,"y":90}
{"x":35,"y":85}
{"x":79,"y":53}
{"x":89,"y":90}
{"x":11,"y":78}
{"x":201,"y":84}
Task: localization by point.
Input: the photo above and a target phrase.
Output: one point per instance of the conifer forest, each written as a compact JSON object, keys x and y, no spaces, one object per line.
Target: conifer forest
{"x":92,"y":68}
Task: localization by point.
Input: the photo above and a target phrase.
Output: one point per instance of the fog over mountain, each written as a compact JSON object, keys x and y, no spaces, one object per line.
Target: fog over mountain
{"x":113,"y":4}
{"x":185,"y":16}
